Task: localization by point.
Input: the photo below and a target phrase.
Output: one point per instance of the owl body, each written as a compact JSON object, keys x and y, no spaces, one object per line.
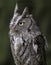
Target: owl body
{"x":27,"y":42}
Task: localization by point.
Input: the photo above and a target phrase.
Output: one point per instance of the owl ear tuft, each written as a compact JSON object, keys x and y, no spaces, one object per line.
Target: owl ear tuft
{"x":16,"y":9}
{"x":25,"y":12}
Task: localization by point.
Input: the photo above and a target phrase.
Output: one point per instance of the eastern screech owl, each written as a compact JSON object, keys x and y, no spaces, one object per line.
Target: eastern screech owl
{"x":27,"y":42}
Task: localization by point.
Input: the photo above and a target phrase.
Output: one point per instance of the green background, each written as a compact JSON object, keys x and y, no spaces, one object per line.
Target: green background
{"x":41,"y":10}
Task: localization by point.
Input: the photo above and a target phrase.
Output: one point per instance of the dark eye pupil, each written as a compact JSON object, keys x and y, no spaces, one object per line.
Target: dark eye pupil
{"x":20,"y":23}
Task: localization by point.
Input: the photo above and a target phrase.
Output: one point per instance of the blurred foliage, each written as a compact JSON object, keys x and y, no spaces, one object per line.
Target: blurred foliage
{"x":41,"y":10}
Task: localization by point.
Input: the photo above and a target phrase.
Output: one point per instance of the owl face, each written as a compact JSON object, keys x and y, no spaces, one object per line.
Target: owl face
{"x":23,"y":25}
{"x":21,"y":22}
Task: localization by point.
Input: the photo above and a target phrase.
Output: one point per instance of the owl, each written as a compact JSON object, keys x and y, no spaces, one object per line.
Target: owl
{"x":28,"y":44}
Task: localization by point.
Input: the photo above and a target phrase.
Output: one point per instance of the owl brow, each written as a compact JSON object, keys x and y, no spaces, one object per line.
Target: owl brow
{"x":19,"y":21}
{"x":25,"y":17}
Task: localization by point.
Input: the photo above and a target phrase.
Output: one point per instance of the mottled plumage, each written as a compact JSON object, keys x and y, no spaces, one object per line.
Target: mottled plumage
{"x":27,"y":42}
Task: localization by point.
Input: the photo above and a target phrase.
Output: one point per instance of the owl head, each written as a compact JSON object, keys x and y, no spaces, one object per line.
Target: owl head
{"x":21,"y":22}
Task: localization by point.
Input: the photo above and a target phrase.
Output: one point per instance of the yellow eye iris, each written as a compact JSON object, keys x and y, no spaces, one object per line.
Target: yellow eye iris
{"x":21,"y":23}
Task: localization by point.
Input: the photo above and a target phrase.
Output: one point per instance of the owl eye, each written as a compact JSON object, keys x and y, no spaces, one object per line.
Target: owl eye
{"x":21,"y":23}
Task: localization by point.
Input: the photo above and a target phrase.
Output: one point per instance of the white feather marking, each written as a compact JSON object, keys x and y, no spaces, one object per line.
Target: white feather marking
{"x":18,"y":41}
{"x":19,"y":17}
{"x":35,"y":47}
{"x":27,"y":60}
{"x":11,"y":23}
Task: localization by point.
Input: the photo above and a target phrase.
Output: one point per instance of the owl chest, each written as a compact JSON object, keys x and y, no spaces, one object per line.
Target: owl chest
{"x":23,"y":49}
{"x":21,"y":42}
